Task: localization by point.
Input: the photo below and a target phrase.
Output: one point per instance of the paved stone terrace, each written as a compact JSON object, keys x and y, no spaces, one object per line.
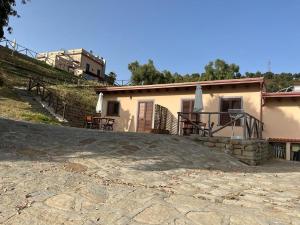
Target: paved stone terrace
{"x":57,"y":175}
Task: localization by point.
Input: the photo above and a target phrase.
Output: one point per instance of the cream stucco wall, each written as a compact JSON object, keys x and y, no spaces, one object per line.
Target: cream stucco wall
{"x":127,"y":121}
{"x":282,"y":118}
{"x":94,"y":66}
{"x":63,"y":62}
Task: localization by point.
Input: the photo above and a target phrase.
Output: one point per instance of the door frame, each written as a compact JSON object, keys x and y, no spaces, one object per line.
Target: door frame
{"x":138,"y":110}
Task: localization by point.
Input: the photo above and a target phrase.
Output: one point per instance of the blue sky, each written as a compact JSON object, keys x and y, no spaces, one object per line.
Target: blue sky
{"x":179,"y":35}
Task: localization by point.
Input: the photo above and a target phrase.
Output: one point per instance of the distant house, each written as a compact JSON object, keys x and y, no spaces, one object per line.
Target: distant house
{"x":136,"y":108}
{"x":78,"y":61}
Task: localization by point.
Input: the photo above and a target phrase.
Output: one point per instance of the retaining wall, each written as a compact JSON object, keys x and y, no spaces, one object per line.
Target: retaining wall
{"x":251,"y":152}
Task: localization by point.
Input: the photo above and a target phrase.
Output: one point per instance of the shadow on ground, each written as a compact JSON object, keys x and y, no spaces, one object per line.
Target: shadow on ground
{"x":139,"y":152}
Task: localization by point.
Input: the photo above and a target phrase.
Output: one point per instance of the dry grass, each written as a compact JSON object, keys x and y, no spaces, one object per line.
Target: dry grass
{"x":12,"y":107}
{"x":11,"y":79}
{"x":16,"y":69}
{"x":83,"y":95}
{"x":23,"y":66}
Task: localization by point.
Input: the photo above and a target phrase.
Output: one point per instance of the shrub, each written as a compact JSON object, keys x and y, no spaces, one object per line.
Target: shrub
{"x":38,"y":117}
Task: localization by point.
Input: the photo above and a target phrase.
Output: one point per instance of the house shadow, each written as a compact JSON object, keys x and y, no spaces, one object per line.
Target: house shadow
{"x":143,"y":152}
{"x":125,"y":122}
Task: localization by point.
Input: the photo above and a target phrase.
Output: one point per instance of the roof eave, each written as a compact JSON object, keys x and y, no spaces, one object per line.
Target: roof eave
{"x":182,"y":85}
{"x":282,"y":95}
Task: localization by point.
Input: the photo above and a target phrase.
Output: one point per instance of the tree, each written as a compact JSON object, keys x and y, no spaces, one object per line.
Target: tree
{"x":275,"y":82}
{"x":111,"y":78}
{"x":148,"y":74}
{"x":7,"y":10}
{"x":217,"y":70}
{"x":178,"y":78}
{"x":278,"y":82}
{"x":220,"y":70}
{"x":166,"y":77}
{"x":145,"y":74}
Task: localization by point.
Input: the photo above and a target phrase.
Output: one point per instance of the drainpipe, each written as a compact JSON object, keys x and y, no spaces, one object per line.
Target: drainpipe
{"x":104,"y":68}
{"x":261,"y":104}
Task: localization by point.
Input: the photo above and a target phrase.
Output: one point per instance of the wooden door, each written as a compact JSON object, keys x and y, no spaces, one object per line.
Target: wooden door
{"x":145,"y":114}
{"x":188,"y":107}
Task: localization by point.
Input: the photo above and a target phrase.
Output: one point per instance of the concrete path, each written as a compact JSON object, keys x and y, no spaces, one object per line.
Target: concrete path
{"x":58,"y":175}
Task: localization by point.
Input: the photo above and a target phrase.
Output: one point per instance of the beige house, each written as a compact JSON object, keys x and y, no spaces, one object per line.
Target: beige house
{"x":133,"y":107}
{"x":136,"y":108}
{"x":282,"y":119}
{"x":78,"y":61}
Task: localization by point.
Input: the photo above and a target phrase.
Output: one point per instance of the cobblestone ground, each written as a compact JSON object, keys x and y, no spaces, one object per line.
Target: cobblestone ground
{"x":56,"y":175}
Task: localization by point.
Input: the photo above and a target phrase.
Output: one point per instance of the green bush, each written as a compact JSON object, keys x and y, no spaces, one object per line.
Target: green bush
{"x":38,"y":117}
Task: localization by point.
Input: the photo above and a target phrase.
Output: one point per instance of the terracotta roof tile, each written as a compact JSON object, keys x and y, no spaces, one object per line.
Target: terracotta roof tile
{"x":259,"y":80}
{"x":281,"y":95}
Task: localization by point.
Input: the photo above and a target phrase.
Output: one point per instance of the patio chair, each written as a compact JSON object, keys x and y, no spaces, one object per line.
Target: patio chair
{"x":109,"y":125}
{"x":206,"y":130}
{"x":88,"y":122}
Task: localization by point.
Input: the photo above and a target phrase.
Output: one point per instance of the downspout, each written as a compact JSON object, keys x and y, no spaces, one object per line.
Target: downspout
{"x":104,"y":68}
{"x":261,"y":104}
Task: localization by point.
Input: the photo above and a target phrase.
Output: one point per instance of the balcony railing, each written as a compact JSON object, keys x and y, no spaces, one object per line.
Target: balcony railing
{"x":252,"y":127}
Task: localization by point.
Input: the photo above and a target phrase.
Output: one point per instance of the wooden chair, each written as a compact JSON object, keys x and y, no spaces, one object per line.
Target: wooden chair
{"x":88,"y":122}
{"x":206,"y":130}
{"x":187,"y":128}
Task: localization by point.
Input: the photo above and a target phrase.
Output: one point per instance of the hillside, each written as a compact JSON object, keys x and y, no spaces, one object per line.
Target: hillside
{"x":73,"y":94}
{"x":18,"y":104}
{"x":15,"y":103}
{"x":16,"y":68}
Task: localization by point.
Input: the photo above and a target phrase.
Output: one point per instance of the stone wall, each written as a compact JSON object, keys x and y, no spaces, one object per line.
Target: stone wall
{"x":251,"y":152}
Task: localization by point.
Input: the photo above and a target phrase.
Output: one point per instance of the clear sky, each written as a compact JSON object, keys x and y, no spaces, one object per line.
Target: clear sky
{"x":179,"y":35}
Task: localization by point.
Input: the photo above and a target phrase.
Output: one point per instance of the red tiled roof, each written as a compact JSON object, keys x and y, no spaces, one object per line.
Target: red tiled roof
{"x":284,"y":140}
{"x":282,"y":95}
{"x":259,"y":80}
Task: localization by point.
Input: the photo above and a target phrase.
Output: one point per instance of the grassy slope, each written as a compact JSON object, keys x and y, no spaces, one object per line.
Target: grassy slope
{"x":84,"y":95}
{"x":15,"y":69}
{"x":13,"y":107}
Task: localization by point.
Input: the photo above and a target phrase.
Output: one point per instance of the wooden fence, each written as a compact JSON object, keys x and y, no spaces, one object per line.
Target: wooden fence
{"x":53,"y":100}
{"x":160,"y":117}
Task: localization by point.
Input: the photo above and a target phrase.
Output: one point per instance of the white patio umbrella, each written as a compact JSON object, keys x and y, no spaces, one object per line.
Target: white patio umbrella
{"x":14,"y":44}
{"x":198,"y":104}
{"x":99,"y":103}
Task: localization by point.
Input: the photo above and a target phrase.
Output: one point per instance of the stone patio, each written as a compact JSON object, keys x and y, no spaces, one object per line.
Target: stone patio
{"x":58,"y":175}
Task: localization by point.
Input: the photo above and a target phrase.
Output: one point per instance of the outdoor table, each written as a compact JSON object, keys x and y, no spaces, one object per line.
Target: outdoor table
{"x":100,"y":122}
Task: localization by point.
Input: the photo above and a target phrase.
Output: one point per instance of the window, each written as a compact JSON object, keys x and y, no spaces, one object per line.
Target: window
{"x":113,"y":108}
{"x":87,"y":67}
{"x":98,"y":73}
{"x":188,"y":107}
{"x":225,"y":105}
